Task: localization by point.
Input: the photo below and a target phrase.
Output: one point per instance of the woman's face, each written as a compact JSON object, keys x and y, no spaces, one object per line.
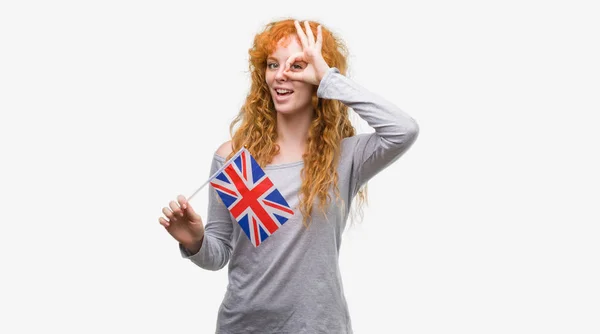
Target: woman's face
{"x":288,"y":96}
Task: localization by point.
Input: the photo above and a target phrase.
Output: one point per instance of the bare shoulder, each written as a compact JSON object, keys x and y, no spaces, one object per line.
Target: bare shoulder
{"x":224,"y":149}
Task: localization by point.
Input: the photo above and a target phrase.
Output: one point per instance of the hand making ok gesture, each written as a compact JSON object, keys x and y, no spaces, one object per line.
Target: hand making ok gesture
{"x":311,"y":54}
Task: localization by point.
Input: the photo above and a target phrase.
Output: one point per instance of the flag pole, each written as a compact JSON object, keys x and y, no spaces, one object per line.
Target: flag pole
{"x":216,"y":173}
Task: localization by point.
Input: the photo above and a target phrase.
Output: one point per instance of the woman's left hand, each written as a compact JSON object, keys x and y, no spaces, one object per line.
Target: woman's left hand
{"x":311,"y":54}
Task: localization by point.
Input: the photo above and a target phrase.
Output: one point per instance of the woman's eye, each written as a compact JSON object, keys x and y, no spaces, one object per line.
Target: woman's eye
{"x":271,"y":65}
{"x":299,"y":66}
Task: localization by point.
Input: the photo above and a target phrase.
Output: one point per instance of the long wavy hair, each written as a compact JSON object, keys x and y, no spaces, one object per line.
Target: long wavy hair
{"x":330,"y":124}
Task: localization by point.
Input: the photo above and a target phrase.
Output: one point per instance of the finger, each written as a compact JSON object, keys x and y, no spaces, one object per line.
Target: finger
{"x":182,"y":201}
{"x":319,"y":38}
{"x":163,"y":222}
{"x":301,"y":35}
{"x":176,"y":209}
{"x":298,"y":56}
{"x":186,"y":208}
{"x":168,"y":213}
{"x":309,"y":33}
{"x":295,"y":75}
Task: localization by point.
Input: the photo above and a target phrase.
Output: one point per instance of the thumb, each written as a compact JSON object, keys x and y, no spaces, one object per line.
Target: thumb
{"x":297,"y":76}
{"x":190,"y":213}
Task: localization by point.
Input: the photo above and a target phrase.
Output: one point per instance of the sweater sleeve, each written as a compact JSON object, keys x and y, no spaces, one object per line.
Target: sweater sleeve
{"x":216,"y":246}
{"x":395,"y":131}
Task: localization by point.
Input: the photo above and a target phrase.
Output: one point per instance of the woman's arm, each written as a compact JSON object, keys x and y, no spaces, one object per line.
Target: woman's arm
{"x":395,"y":131}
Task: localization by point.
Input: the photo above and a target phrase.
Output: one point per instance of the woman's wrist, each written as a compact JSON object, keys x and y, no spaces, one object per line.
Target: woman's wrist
{"x":194,"y":247}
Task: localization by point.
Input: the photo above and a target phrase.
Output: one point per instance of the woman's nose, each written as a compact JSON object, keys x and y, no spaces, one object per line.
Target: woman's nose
{"x":280,"y":75}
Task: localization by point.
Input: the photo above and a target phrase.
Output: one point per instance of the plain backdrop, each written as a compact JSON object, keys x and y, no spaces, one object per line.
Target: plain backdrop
{"x":488,"y":224}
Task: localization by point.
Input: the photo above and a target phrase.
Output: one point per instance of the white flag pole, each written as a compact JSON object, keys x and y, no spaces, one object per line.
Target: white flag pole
{"x":216,"y":173}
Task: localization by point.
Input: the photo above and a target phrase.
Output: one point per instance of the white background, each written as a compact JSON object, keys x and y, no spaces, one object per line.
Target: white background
{"x":488,"y":224}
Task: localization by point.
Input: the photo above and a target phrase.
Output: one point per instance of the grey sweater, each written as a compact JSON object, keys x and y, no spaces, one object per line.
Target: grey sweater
{"x":291,"y":283}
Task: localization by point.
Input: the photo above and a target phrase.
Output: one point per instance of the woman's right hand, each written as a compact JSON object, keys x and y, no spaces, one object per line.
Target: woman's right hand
{"x":183,"y":223}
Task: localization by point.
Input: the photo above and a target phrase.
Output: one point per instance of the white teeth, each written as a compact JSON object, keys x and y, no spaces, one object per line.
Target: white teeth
{"x":283,"y":91}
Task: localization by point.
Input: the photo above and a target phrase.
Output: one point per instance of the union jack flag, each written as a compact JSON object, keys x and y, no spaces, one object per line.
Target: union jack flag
{"x":251,"y":197}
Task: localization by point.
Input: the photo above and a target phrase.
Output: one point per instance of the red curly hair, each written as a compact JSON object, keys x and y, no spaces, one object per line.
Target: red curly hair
{"x":330,"y":124}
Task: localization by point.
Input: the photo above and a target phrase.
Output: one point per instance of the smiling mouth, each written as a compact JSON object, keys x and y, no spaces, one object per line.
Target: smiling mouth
{"x":283,"y":92}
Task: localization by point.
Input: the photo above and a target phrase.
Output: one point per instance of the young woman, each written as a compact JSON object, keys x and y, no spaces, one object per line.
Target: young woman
{"x":295,"y":123}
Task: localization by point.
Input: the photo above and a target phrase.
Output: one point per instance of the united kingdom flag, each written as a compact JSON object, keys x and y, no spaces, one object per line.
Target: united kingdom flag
{"x":251,"y":197}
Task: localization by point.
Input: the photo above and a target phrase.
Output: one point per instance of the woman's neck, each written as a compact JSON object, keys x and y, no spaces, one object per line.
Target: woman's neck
{"x":292,"y":136}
